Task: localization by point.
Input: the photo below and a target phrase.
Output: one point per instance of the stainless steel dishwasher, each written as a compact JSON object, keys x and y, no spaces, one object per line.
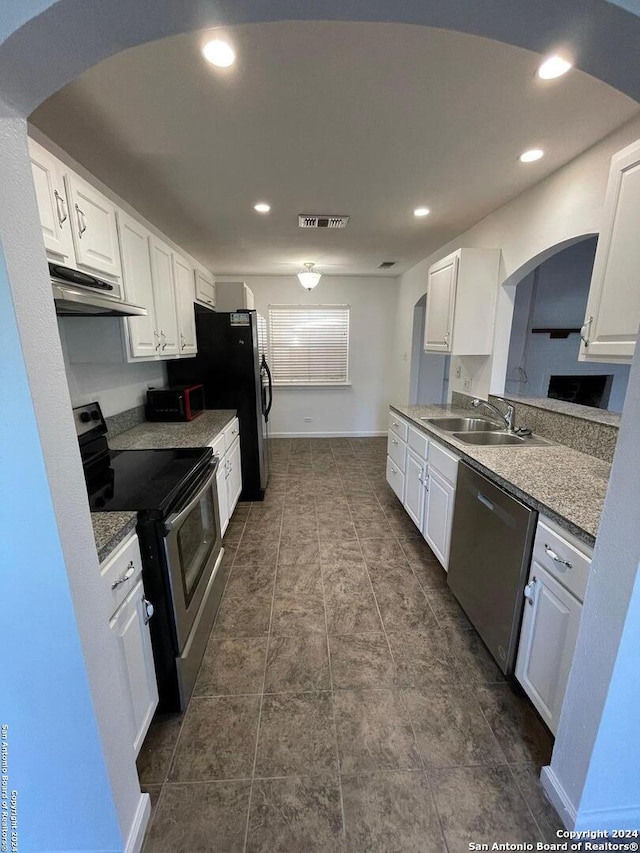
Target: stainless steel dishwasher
{"x":491,"y":543}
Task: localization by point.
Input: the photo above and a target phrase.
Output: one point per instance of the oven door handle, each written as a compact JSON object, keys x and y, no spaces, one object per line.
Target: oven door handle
{"x":176,"y":519}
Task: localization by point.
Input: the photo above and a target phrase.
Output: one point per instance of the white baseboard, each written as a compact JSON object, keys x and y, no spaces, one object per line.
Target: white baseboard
{"x":558,"y":797}
{"x":139,"y":826}
{"x":327,"y":434}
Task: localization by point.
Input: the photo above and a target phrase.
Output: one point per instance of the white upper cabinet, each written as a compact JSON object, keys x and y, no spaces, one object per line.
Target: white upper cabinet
{"x":205,"y":288}
{"x":93,"y":224}
{"x":613,"y":309}
{"x":461,"y":296}
{"x":144,"y":337}
{"x":234,"y":296}
{"x":52,"y":204}
{"x":185,"y":293}
{"x":164,"y":296}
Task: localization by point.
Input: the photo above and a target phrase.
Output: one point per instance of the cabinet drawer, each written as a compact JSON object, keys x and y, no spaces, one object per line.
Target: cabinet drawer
{"x":395,"y":478}
{"x":219,"y":446}
{"x":443,"y":461}
{"x":398,"y":426}
{"x":559,"y":555}
{"x":418,"y":442}
{"x":231,"y":432}
{"x":397,"y":450}
{"x":120,"y":572}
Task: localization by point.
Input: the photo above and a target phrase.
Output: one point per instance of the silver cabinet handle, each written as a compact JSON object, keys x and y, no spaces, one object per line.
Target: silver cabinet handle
{"x":393,"y":441}
{"x":164,"y":339}
{"x":182,"y":341}
{"x":82,"y":221}
{"x":125,"y":577}
{"x":395,"y":423}
{"x":61,"y":208}
{"x":556,"y":558}
{"x":530,"y":590}
{"x":156,"y":335}
{"x":584,"y":336}
{"x":148,"y":609}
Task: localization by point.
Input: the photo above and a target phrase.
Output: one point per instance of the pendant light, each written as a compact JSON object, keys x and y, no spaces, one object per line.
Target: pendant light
{"x":309,"y":278}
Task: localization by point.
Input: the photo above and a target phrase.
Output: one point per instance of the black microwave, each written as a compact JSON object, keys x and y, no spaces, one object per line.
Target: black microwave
{"x":179,"y":403}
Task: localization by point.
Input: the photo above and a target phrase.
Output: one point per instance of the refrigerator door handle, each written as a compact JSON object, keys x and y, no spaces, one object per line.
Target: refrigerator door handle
{"x":265,"y":367}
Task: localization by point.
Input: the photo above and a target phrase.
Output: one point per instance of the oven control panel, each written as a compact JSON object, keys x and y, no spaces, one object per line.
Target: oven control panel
{"x":88,"y":418}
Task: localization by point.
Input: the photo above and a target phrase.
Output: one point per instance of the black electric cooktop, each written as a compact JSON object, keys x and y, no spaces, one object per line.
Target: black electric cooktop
{"x":144,"y":480}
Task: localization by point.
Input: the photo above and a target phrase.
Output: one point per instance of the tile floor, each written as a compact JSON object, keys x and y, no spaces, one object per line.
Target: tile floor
{"x":345,"y":703}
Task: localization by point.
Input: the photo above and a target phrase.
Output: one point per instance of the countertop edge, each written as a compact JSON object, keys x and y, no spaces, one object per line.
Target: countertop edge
{"x":119,"y":533}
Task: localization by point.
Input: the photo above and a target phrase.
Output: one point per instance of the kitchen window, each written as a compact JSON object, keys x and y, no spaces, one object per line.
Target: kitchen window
{"x":309,"y":345}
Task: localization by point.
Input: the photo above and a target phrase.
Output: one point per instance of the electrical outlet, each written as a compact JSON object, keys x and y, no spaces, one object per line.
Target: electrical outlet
{"x":308,"y":420}
{"x":466,"y":384}
{"x":458,"y":371}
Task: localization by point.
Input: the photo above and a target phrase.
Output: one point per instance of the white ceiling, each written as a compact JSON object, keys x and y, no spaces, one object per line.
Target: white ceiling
{"x":369,"y":120}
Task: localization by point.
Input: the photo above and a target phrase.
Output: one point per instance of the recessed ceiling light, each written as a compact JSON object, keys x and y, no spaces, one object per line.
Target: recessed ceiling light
{"x":531,"y":156}
{"x":554,"y":66}
{"x":262,"y":207}
{"x":219,"y":53}
{"x":421,"y":211}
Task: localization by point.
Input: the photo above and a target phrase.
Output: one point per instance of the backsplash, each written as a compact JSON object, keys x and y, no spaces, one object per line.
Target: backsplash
{"x":578,"y":430}
{"x":124,"y":420}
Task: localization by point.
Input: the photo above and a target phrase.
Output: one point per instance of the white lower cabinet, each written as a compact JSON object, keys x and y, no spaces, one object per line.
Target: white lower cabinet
{"x":414,"y":489}
{"x":551,"y":619}
{"x":234,"y":478}
{"x":229,"y":474}
{"x":438,"y":514}
{"x":130,"y":626}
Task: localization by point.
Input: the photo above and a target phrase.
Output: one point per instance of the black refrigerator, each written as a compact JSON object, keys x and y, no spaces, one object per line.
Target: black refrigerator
{"x":232,"y":366}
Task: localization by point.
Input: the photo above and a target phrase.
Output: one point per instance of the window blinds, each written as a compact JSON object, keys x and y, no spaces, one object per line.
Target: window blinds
{"x":309,"y":345}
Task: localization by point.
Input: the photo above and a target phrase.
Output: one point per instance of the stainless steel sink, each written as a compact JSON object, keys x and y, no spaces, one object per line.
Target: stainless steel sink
{"x":497,"y":438}
{"x":461,"y":424}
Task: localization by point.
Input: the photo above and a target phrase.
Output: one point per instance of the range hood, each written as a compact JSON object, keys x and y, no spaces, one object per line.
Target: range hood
{"x":79,"y":295}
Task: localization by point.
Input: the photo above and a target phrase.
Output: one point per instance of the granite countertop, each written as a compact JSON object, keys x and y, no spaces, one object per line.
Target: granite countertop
{"x":564,"y":484}
{"x":109,"y":529}
{"x":157,"y":436}
{"x":572,"y":410}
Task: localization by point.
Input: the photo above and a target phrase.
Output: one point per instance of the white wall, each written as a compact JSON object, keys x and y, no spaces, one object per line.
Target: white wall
{"x":429,"y":370}
{"x":564,"y":206}
{"x":115,"y":383}
{"x":361,"y":408}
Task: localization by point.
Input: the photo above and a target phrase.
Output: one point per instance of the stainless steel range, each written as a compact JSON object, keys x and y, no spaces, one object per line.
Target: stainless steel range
{"x":174,"y":494}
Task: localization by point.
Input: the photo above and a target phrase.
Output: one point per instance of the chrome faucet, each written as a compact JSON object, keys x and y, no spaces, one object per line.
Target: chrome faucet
{"x":508,"y":419}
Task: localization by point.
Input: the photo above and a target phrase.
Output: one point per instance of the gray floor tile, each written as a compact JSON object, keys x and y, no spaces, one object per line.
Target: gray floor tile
{"x":297,"y":663}
{"x":232,"y":665}
{"x":361,"y":660}
{"x":403,"y":608}
{"x":299,"y":580}
{"x":298,"y":552}
{"x":518,"y":729}
{"x":416,"y":549}
{"x":351,"y":609}
{"x":242,"y":616}
{"x":422,"y":657}
{"x":294,"y":615}
{"x":481,"y":805}
{"x":200,"y":818}
{"x":445,"y":607}
{"x":251,"y":580}
{"x":450,"y":727}
{"x":383,"y":552}
{"x":339,"y":531}
{"x":296,"y":735}
{"x":154,"y":792}
{"x":337,"y":553}
{"x":155,"y":756}
{"x":429,"y":575}
{"x":374,"y":732}
{"x":373,"y":530}
{"x":299,"y":813}
{"x":217,"y":740}
{"x":258,"y":553}
{"x":391,"y":812}
{"x":528,"y":780}
{"x":472,"y":660}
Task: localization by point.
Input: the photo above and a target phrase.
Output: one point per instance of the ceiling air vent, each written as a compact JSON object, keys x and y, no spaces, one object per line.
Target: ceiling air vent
{"x":307,"y":220}
{"x":386,"y":264}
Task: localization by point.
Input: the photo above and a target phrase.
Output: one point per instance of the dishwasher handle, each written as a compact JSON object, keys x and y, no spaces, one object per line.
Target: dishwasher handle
{"x":485,"y":501}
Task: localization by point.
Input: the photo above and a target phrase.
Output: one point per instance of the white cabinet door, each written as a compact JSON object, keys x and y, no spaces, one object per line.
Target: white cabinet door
{"x":441,"y":297}
{"x":234,"y":479}
{"x":144,"y":338}
{"x":130,"y":624}
{"x":52,"y":204}
{"x":613,"y":308}
{"x":438,"y":515}
{"x":547,"y":642}
{"x":205,"y":289}
{"x":185,"y":294}
{"x":93,"y":224}
{"x":223,"y":496}
{"x":164,"y":296}
{"x":414,"y":489}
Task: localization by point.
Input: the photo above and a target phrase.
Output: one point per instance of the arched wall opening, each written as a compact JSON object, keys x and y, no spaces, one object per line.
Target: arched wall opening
{"x":429,"y":377}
